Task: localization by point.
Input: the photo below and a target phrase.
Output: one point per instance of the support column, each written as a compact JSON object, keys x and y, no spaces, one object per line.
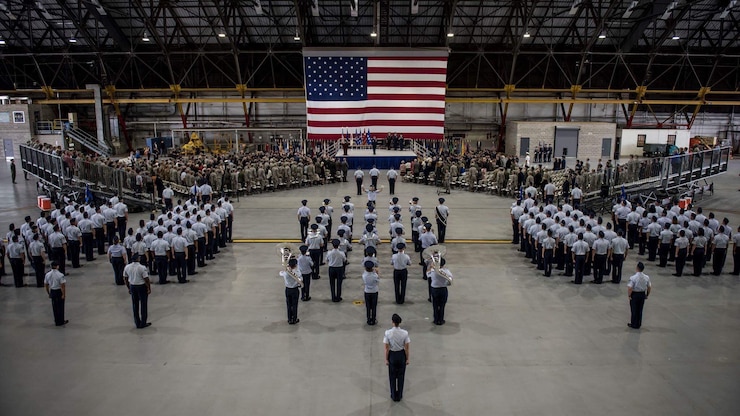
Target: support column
{"x":99,"y":114}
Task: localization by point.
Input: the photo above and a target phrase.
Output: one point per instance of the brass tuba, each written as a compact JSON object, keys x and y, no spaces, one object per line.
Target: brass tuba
{"x":287,"y":251}
{"x":434,"y":255}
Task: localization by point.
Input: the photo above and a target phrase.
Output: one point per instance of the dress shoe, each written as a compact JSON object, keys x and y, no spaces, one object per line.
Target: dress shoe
{"x":676,"y":274}
{"x":192,"y":273}
{"x":65,"y":323}
{"x":616,"y":283}
{"x":633,"y":327}
{"x":574,"y":282}
{"x":307,"y":298}
{"x":145,"y":325}
{"x":184,"y":281}
{"x":735,"y":274}
{"x":429,"y":299}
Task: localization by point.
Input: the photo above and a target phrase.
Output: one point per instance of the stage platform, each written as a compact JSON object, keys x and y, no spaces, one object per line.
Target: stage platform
{"x":382,"y":159}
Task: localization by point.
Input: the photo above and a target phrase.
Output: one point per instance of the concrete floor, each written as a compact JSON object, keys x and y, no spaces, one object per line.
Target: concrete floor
{"x":514,"y":343}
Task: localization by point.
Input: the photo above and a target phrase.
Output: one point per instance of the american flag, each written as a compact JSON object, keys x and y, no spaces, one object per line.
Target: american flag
{"x":381,"y":90}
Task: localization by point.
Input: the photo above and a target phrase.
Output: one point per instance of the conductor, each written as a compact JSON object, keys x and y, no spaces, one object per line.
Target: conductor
{"x":396,"y":342}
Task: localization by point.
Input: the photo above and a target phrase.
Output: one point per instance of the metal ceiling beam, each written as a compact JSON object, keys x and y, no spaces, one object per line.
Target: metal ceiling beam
{"x":671,"y":26}
{"x":152,"y":28}
{"x":37,"y":7}
{"x":650,"y":13}
{"x":178,"y":23}
{"x":110,"y":25}
{"x":446,"y":23}
{"x":474,"y":100}
{"x":572,"y":27}
{"x":76,"y":20}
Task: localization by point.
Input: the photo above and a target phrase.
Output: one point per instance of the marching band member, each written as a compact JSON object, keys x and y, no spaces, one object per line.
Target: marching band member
{"x":441,"y":278}
{"x":291,"y":290}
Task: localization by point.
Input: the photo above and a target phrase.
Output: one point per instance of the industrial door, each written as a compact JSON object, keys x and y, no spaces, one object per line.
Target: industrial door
{"x":523,"y":146}
{"x":8,"y":147}
{"x":566,"y":142}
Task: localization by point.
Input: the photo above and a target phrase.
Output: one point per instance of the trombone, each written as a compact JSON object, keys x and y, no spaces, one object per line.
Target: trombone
{"x":434,"y":255}
{"x":287,"y":251}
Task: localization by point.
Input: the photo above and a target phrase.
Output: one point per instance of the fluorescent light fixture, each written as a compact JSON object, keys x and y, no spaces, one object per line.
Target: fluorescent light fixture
{"x":297,"y":38}
{"x":602,"y":35}
{"x":675,"y":36}
{"x":450,"y":34}
{"x":373,"y":34}
{"x":527,"y":35}
{"x":222,"y":35}
{"x":145,"y":38}
{"x":2,"y":41}
{"x":72,"y":40}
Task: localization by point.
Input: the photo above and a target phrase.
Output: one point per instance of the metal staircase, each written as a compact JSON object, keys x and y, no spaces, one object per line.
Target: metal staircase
{"x":88,"y":140}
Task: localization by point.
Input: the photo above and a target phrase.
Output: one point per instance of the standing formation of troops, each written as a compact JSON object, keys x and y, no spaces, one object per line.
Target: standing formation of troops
{"x":543,"y":153}
{"x":175,"y":243}
{"x":395,"y":141}
{"x":324,"y":245}
{"x":247,"y":173}
{"x":564,"y":238}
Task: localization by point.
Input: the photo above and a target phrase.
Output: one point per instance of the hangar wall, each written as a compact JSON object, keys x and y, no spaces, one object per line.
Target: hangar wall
{"x":477,"y":120}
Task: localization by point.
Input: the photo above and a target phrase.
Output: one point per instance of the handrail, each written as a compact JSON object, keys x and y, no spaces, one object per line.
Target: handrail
{"x":88,"y":140}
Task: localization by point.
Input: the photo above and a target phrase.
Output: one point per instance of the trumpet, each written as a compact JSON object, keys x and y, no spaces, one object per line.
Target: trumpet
{"x":434,"y":255}
{"x":287,"y":251}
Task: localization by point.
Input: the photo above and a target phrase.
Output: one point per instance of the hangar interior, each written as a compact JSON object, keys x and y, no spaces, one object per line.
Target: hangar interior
{"x":130,"y":70}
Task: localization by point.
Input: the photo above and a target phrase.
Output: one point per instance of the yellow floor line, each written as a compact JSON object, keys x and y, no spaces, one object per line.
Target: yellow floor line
{"x":273,"y":240}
